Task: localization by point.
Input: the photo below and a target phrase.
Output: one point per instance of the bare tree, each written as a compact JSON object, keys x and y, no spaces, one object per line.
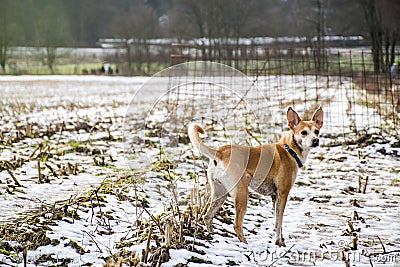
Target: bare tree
{"x":202,"y":15}
{"x":51,"y":32}
{"x":180,"y":24}
{"x":390,"y":10}
{"x":373,"y":18}
{"x":145,"y":24}
{"x":218,"y":23}
{"x":312,"y":20}
{"x":383,"y":21}
{"x":121,"y":25}
{"x":135,"y":28}
{"x":9,"y":30}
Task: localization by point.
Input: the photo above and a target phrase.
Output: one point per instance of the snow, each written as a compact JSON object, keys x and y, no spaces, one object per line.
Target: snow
{"x":115,"y":42}
{"x":316,"y":219}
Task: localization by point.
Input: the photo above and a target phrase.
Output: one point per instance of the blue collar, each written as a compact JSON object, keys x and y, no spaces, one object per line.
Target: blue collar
{"x":294,"y":155}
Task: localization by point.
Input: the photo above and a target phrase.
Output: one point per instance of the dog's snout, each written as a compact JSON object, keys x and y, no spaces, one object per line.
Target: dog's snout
{"x":315,"y":142}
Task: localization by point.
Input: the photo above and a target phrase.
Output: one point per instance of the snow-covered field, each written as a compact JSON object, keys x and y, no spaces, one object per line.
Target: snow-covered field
{"x":110,"y":188}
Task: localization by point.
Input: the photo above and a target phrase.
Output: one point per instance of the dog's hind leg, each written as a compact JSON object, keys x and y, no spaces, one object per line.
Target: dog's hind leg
{"x":218,"y":197}
{"x":240,"y":197}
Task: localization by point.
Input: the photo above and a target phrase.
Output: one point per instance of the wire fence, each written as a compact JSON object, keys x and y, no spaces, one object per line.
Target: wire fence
{"x":357,"y":101}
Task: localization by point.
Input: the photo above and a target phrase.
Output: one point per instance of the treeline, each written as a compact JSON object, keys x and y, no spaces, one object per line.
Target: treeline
{"x":83,"y":22}
{"x":80,"y":23}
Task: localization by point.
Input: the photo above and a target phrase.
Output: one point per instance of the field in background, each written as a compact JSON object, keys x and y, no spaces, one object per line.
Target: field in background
{"x":249,"y":58}
{"x":79,"y":61}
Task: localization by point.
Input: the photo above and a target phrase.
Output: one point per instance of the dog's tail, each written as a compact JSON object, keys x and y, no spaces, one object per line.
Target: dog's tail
{"x":193,"y":132}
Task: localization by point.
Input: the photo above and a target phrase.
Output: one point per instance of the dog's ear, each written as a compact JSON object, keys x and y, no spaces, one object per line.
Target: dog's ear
{"x":318,"y":117}
{"x":293,"y":118}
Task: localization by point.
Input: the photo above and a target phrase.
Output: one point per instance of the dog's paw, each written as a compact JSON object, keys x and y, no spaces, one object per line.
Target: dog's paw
{"x":242,"y":239}
{"x":280,"y":242}
{"x":209,"y":227}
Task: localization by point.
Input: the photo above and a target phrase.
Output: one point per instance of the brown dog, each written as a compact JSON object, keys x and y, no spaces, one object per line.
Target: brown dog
{"x":269,"y":169}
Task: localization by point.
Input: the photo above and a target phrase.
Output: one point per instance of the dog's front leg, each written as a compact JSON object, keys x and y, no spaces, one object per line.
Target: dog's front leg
{"x":279,"y":210}
{"x":273,"y":198}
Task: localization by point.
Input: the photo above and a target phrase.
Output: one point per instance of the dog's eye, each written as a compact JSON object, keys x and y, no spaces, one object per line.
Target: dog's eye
{"x":316,"y":132}
{"x":304,"y":133}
